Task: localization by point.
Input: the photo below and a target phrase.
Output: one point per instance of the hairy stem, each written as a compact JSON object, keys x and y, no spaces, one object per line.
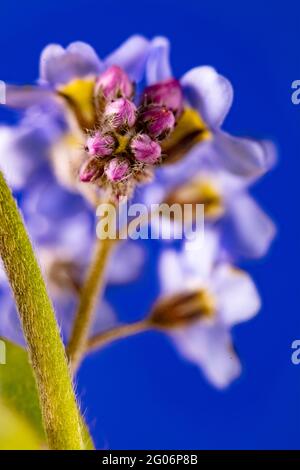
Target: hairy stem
{"x":123,"y":331}
{"x":59,"y":409}
{"x":89,"y":297}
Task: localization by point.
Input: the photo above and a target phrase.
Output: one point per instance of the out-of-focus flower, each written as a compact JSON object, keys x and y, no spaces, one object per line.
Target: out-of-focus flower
{"x":159,"y":121}
{"x":91,"y":170}
{"x":202,"y":298}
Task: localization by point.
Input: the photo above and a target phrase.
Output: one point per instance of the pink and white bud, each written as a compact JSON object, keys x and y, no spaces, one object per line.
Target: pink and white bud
{"x":114,"y":83}
{"x":159,"y":121}
{"x":91,"y":170}
{"x":117,"y":169}
{"x":100,"y":145}
{"x":121,"y":113}
{"x":145,"y":149}
{"x":167,"y":93}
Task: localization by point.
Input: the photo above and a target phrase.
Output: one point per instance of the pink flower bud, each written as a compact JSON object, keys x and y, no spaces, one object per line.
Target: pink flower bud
{"x":159,"y":121}
{"x":114,"y":83}
{"x":167,"y":93}
{"x":91,"y":170}
{"x":100,"y":145}
{"x":145,"y":149}
{"x":121,"y":113}
{"x":116,"y":169}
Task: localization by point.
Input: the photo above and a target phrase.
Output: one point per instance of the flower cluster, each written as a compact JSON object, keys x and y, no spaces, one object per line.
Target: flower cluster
{"x":126,"y":141}
{"x":88,"y":129}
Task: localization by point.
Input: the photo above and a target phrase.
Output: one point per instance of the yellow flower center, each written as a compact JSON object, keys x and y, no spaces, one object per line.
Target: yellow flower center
{"x":199,"y":191}
{"x":79,"y":94}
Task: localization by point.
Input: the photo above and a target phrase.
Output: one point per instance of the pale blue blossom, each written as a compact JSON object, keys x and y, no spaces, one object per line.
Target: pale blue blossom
{"x":233,"y":298}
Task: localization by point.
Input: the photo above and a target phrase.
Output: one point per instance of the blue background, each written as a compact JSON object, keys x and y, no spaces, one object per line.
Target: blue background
{"x":138,"y":393}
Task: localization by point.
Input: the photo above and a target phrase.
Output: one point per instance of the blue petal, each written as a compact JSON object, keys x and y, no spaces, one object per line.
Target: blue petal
{"x":59,"y":65}
{"x":208,"y":92}
{"x":247,"y":230}
{"x":131,"y":56}
{"x":243,"y":156}
{"x":210,"y":348}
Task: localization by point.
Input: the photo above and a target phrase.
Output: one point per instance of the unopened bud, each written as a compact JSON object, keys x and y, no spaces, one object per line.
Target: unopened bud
{"x":167,"y":93}
{"x":117,"y":169}
{"x":145,"y":149}
{"x":100,"y":145}
{"x":91,"y":170}
{"x":158,"y":120}
{"x":120,"y":113}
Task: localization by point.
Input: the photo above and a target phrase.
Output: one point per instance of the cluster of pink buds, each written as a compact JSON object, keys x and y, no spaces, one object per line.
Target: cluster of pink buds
{"x":126,"y":141}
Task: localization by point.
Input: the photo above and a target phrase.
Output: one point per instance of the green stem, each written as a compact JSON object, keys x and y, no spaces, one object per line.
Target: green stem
{"x":120,"y":332}
{"x":89,"y":297}
{"x":61,"y":416}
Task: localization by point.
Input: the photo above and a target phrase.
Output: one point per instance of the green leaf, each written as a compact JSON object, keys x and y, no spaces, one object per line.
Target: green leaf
{"x":20,"y":413}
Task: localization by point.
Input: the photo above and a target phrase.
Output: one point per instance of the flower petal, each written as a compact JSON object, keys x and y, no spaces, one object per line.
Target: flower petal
{"x":59,"y":65}
{"x":61,"y":218}
{"x":172,"y":276}
{"x":210,"y":348}
{"x":131,"y":56}
{"x":158,"y":63}
{"x":248,"y":230}
{"x":242,"y":156}
{"x":25,"y":96}
{"x":19,"y":148}
{"x":237,"y":297}
{"x":210,"y":93}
